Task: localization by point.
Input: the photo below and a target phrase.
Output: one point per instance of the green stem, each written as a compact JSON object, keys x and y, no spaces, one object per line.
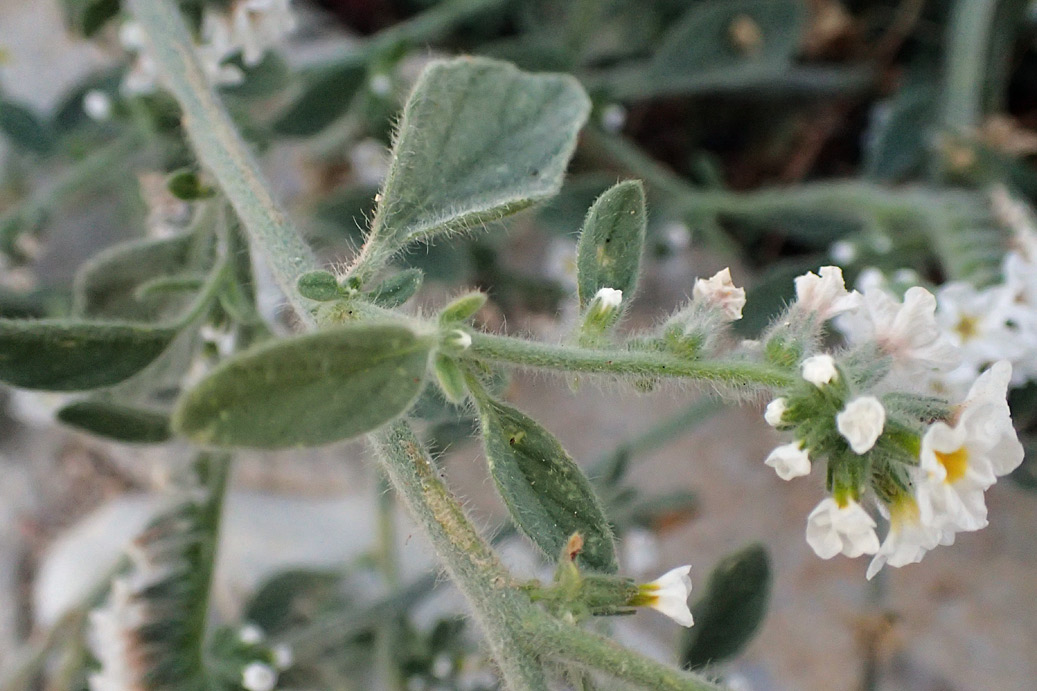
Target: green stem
{"x":968,"y":42}
{"x":472,"y":565}
{"x":568,"y":643}
{"x":649,"y":364}
{"x":221,"y":149}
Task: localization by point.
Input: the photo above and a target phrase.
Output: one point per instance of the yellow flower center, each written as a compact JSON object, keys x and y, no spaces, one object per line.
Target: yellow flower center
{"x":904,"y":509}
{"x":955,"y":463}
{"x":967,"y":327}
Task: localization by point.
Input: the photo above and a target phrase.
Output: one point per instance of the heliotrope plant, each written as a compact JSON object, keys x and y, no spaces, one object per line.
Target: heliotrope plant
{"x":477,"y":140}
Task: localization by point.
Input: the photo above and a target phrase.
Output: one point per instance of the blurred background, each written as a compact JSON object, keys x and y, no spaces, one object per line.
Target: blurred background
{"x":774,"y":136}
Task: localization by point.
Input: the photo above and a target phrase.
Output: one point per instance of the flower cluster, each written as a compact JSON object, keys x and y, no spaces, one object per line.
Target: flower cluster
{"x":922,"y":464}
{"x":248,"y":29}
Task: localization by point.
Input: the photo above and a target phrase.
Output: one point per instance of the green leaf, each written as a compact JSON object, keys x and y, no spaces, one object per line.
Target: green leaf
{"x":898,"y":140}
{"x":735,"y":602}
{"x":167,"y":587}
{"x":130,"y":424}
{"x":547,"y":494}
{"x":188,"y":186}
{"x":324,"y":98}
{"x":478,"y":140}
{"x":25,"y":129}
{"x":462,"y":308}
{"x":307,"y":390}
{"x":450,"y":378}
{"x":318,"y":285}
{"x":67,"y":355}
{"x":397,"y":289}
{"x":609,"y":252}
{"x":726,"y":34}
{"x":105,"y":285}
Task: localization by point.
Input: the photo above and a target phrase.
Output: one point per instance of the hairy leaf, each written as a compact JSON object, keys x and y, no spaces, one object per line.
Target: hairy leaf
{"x":397,"y":289}
{"x":609,"y":252}
{"x":735,"y":602}
{"x":478,"y":140}
{"x":547,"y":494}
{"x":25,"y":129}
{"x":725,"y":34}
{"x":307,"y":390}
{"x":131,"y":424}
{"x":66,"y":355}
{"x":104,"y":285}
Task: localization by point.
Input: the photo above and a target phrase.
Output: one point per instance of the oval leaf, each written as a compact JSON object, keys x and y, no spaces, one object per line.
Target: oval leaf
{"x":609,"y":252}
{"x":58,"y":355}
{"x":478,"y":140}
{"x":116,"y":421}
{"x":735,"y":602}
{"x":104,"y":285}
{"x":547,"y":494}
{"x":397,"y":289}
{"x":307,"y":390}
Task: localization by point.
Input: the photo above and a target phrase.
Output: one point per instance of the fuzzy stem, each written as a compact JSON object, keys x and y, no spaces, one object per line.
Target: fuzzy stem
{"x":473,"y":566}
{"x":568,"y":358}
{"x":588,"y":650}
{"x":221,"y":149}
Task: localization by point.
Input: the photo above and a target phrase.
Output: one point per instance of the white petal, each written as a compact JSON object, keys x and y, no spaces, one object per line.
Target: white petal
{"x":774,"y":412}
{"x":721,"y":292}
{"x":819,"y":369}
{"x":861,"y":423}
{"x":789,"y":461}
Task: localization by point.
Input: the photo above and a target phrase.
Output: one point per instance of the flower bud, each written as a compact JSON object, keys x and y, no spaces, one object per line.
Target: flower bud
{"x":774,"y":411}
{"x":861,"y":423}
{"x":819,"y":370}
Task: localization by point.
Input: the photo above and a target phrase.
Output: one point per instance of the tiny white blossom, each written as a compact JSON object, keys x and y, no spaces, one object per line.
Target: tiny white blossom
{"x":861,"y":422}
{"x":458,"y":339}
{"x":258,"y":25}
{"x":825,"y":294}
{"x":669,"y":594}
{"x":97,"y":105}
{"x":250,"y":634}
{"x":843,"y":251}
{"x":848,"y":529}
{"x":978,"y":322}
{"x":610,"y":298}
{"x":217,"y":45}
{"x":257,"y":676}
{"x":380,"y":84}
{"x":959,"y":463}
{"x":721,"y":292}
{"x":283,"y":656}
{"x":907,"y":331}
{"x":613,"y":117}
{"x":819,"y":369}
{"x":775,"y":411}
{"x":908,"y":539}
{"x":789,"y":461}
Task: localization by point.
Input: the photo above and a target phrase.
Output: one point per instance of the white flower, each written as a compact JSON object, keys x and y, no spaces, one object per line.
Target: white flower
{"x":833,"y":529}
{"x":775,"y":411}
{"x":959,"y":463}
{"x":789,"y":461}
{"x":258,"y":25}
{"x":908,"y":539}
{"x":861,"y":423}
{"x":218,"y":45}
{"x":257,"y":676}
{"x":610,"y":298}
{"x":825,"y":294}
{"x":250,"y":634}
{"x":819,"y":369}
{"x":977,"y":322}
{"x":721,"y":292}
{"x":843,"y":251}
{"x":906,"y":331}
{"x":613,"y":117}
{"x":669,"y":594}
{"x":97,"y":105}
{"x":283,"y":656}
